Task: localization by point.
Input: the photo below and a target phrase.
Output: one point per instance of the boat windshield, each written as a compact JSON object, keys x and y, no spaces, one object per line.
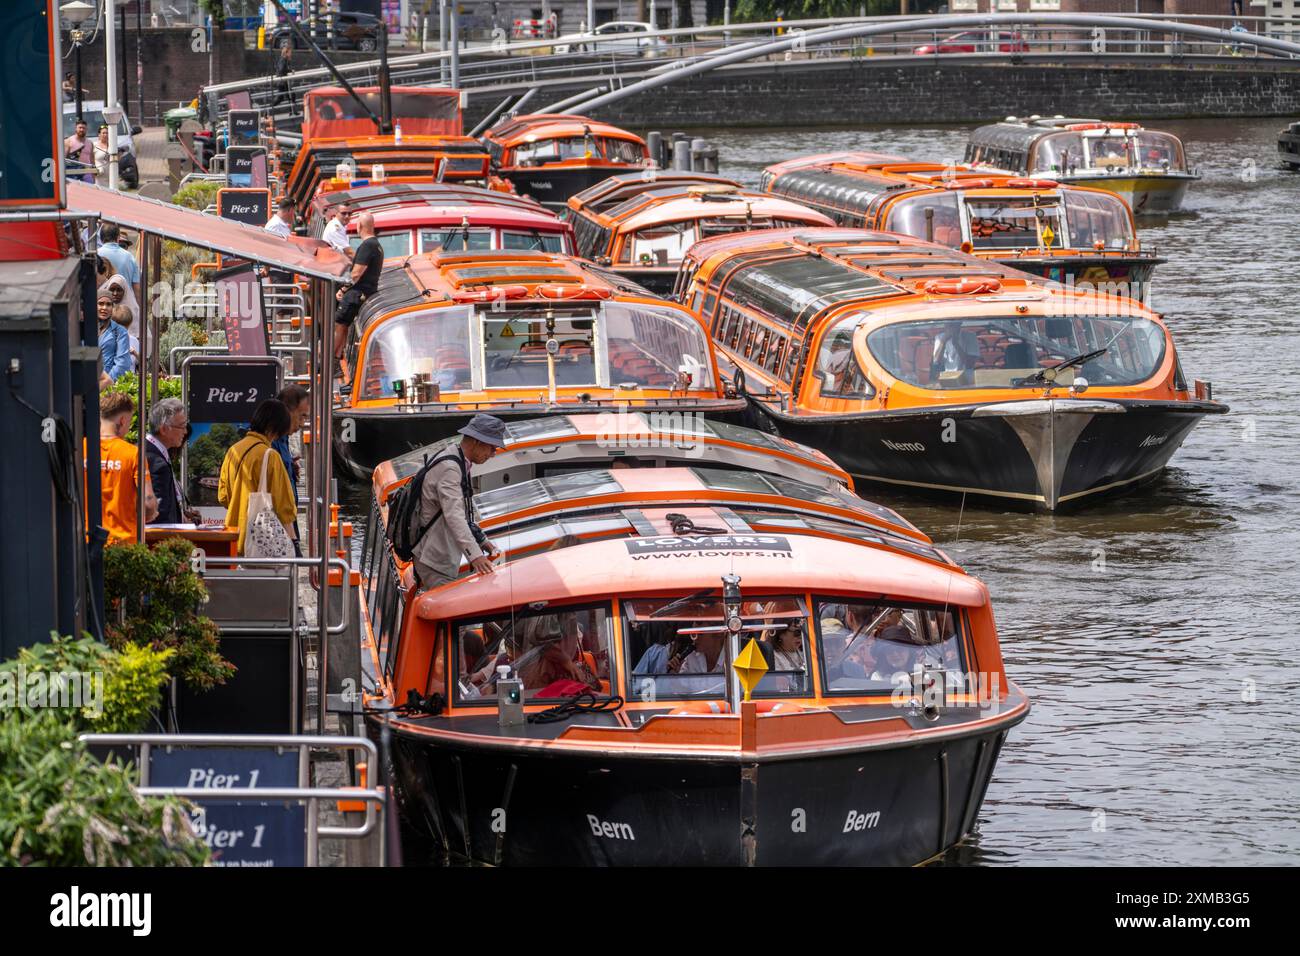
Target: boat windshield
{"x":1115,"y":151}
{"x":1159,"y":151}
{"x":670,"y":664}
{"x":557,"y":653}
{"x":620,"y":346}
{"x":1058,"y":153}
{"x":659,"y":245}
{"x":1001,"y":351}
{"x":1097,"y":217}
{"x":455,"y":239}
{"x":997,"y":223}
{"x":934,"y":216}
{"x":870,"y":648}
{"x":435,"y":342}
{"x":556,"y":150}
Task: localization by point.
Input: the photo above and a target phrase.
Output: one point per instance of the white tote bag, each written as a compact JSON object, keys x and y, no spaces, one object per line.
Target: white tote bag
{"x":265,"y":535}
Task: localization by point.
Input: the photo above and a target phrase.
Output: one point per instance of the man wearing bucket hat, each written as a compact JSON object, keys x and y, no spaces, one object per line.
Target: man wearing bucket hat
{"x":448,"y":495}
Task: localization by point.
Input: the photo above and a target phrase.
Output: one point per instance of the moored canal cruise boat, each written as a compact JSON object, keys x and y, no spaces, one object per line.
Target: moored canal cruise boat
{"x":913,"y":365}
{"x":644,"y":235}
{"x":1288,"y":146}
{"x":868,"y":738}
{"x":418,"y":217}
{"x":431,"y":143}
{"x":1145,"y":167}
{"x":516,"y":334}
{"x":1069,"y":234}
{"x":551,"y":156}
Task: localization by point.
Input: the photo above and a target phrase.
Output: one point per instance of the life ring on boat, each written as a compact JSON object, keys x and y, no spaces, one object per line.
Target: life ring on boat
{"x":962,"y":286}
{"x":1079,"y":127}
{"x":779,"y":707}
{"x":575,"y":292}
{"x":700,"y":707}
{"x":1032,"y":184}
{"x":492,"y":293}
{"x":968,"y":184}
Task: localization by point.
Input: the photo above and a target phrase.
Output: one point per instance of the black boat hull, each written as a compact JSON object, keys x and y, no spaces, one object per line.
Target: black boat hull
{"x":552,"y":186}
{"x":1042,"y":454}
{"x":1288,"y":147}
{"x":365,"y":437}
{"x":899,"y":805}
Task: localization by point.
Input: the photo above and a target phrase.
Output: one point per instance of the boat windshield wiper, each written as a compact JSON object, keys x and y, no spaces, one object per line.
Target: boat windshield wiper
{"x":681,"y":602}
{"x":1041,"y":375}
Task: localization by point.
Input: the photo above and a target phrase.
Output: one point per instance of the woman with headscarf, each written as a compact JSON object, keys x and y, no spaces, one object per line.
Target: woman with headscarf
{"x":123,"y":295}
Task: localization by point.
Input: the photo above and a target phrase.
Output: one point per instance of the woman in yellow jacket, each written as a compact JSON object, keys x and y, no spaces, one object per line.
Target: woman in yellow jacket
{"x":241,"y":470}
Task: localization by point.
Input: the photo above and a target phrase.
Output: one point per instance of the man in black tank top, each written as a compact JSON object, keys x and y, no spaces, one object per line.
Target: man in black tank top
{"x":366,"y":267}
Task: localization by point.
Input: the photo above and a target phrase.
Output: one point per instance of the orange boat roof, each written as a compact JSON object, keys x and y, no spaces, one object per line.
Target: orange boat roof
{"x":554,"y":126}
{"x":613,"y":567}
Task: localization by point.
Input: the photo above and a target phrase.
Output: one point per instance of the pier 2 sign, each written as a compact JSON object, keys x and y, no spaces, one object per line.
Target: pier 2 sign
{"x":221,"y":392}
{"x":31,"y":145}
{"x":240,"y":834}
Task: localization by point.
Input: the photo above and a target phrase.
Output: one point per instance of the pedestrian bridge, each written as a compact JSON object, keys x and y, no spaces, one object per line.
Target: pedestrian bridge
{"x":606,"y":76}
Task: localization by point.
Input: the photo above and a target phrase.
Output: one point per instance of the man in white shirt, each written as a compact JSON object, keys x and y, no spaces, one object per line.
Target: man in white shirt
{"x":336,"y":230}
{"x":281,"y":224}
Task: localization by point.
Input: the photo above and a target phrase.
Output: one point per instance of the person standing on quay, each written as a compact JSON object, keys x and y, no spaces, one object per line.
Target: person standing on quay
{"x":167,"y":426}
{"x":119,"y":464}
{"x":77,"y":148}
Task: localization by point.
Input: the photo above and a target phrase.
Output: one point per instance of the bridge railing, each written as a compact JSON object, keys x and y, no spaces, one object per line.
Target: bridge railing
{"x":613,"y":61}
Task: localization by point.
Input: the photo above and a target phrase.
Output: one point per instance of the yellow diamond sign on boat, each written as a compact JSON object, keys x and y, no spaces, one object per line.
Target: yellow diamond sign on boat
{"x":750,"y":666}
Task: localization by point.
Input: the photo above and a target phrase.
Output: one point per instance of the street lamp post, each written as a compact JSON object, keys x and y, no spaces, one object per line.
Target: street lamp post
{"x":77,"y":13}
{"x":112,"y":112}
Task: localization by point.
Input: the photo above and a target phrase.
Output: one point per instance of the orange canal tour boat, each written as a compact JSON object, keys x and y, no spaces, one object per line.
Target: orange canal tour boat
{"x":552,"y":156}
{"x":640,"y":226}
{"x":517,"y":334}
{"x":1068,"y":234}
{"x":916,"y":366}
{"x":428,"y":140}
{"x":1145,"y":167}
{"x":687,"y":663}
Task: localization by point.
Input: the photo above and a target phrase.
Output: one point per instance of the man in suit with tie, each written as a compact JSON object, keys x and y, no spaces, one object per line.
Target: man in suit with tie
{"x":167,"y":426}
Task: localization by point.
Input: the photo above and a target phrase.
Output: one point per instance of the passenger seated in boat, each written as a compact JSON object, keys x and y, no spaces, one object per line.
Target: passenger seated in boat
{"x":955,"y":351}
{"x":894,"y":653}
{"x":557,"y":669}
{"x":707,"y":658}
{"x":786,"y":660}
{"x":655,"y":658}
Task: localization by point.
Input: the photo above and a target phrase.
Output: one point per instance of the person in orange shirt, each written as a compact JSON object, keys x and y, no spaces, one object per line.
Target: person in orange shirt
{"x":119,"y":462}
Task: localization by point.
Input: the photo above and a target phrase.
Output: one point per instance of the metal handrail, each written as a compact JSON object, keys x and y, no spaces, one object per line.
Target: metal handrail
{"x":345,"y":616}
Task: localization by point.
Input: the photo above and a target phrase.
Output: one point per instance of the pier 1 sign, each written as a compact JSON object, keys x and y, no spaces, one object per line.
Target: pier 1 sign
{"x":240,"y":834}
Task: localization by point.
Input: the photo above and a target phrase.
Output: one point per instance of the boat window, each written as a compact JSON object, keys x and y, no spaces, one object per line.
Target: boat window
{"x":516,"y":355}
{"x":394,"y":244}
{"x":1000,"y":352}
{"x":624,"y":151}
{"x":1109,"y":152}
{"x":668,"y":664}
{"x":659,"y":245}
{"x":533,"y":240}
{"x":542,"y":269}
{"x":555,"y":150}
{"x":1097,"y":217}
{"x":943,"y":226}
{"x":541,"y":491}
{"x":876,"y":647}
{"x":793,"y":290}
{"x":1058,"y":153}
{"x":649,"y":345}
{"x":750,"y":482}
{"x":773,"y":520}
{"x":557,"y":653}
{"x":434,"y":342}
{"x":838,"y":367}
{"x":455,"y":239}
{"x":1014,"y":223}
{"x":1160,"y":151}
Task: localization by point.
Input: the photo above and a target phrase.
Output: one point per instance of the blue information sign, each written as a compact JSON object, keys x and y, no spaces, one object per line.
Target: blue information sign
{"x":240,"y":834}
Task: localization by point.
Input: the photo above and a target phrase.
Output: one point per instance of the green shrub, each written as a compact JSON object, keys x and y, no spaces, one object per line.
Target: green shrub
{"x":129,"y":383}
{"x":153,"y":600}
{"x":125,"y":686}
{"x":59,"y":806}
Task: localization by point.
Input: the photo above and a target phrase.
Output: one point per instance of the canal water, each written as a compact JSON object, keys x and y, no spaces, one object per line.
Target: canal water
{"x":1157,"y":634}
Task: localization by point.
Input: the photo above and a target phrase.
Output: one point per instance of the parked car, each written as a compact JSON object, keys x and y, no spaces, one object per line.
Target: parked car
{"x":92,"y":111}
{"x":976,"y":41}
{"x":628,"y":36}
{"x":352,"y":31}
